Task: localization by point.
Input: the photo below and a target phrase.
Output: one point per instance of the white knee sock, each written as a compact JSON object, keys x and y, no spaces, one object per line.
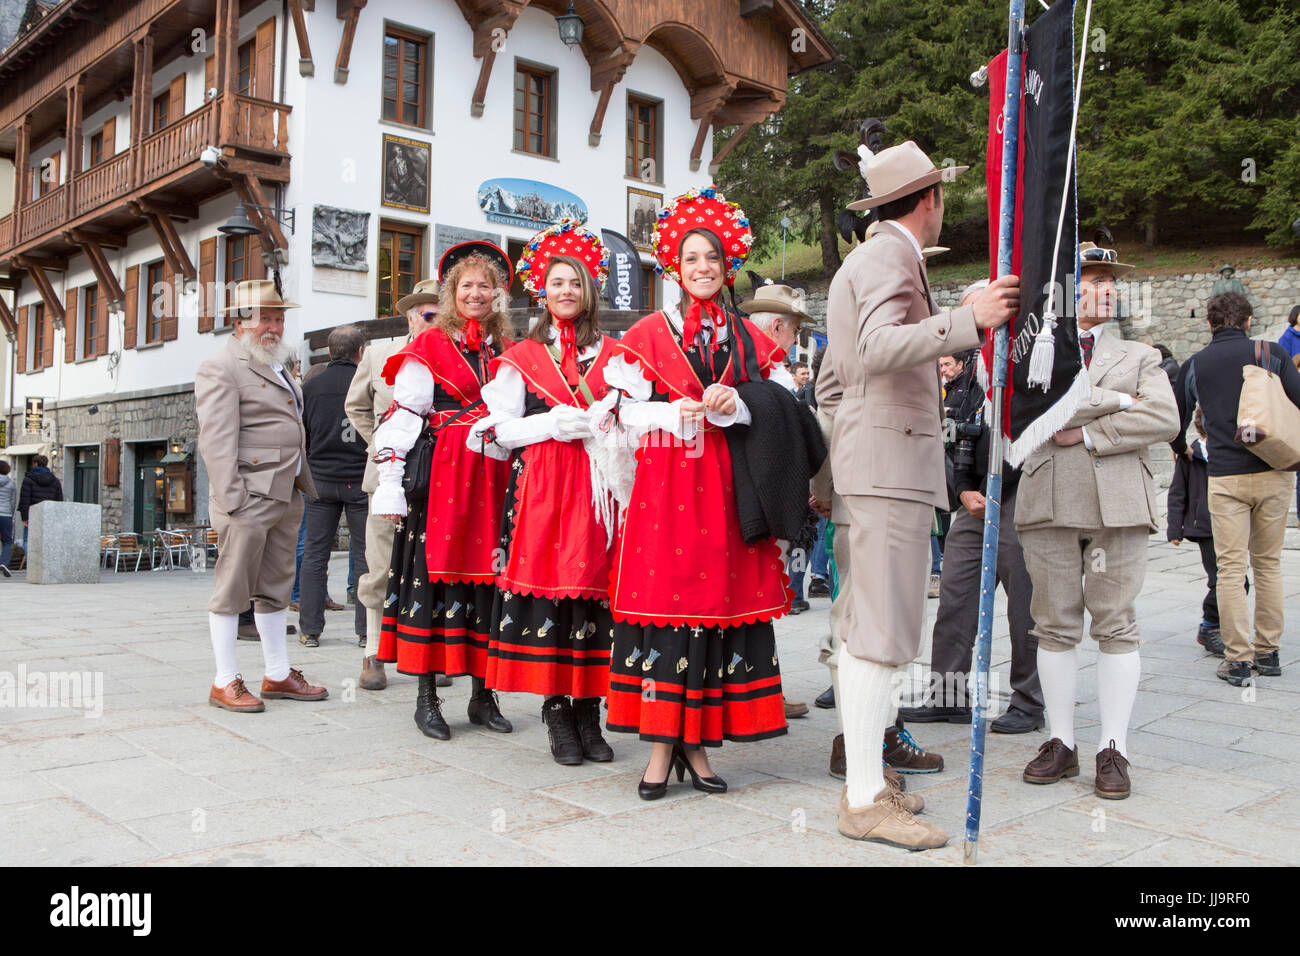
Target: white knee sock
{"x":374,"y":622}
{"x":1058,"y":671}
{"x":866,"y":704}
{"x":275,"y":655}
{"x":835,"y":686}
{"x":224,"y":631}
{"x":1117,"y":687}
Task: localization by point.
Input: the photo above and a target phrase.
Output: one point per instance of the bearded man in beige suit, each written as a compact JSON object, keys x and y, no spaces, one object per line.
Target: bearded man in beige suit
{"x":255,"y":449}
{"x":885,"y":338}
{"x":368,"y":399}
{"x":1086,"y":506}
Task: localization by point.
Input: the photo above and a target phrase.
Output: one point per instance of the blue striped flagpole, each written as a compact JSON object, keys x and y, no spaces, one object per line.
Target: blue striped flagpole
{"x":993,"y":495}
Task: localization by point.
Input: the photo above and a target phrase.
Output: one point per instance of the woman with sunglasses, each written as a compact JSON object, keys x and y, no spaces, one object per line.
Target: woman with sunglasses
{"x":440,"y":585}
{"x":694,"y":657}
{"x":551,"y":625}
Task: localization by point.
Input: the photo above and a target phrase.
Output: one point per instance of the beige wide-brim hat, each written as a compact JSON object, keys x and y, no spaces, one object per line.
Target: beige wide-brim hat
{"x":780,"y":299}
{"x":424,"y":292}
{"x":931,"y":251}
{"x":257,"y":294}
{"x":900,"y":171}
{"x":1093,"y":255}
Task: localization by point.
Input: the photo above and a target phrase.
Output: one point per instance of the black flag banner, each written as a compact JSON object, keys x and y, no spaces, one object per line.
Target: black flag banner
{"x":623,"y":289}
{"x":1042,"y":403}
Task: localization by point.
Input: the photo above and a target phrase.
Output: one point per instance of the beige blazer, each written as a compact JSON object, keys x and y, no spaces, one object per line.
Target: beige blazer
{"x":250,"y":430}
{"x":1110,"y":486}
{"x":885,"y":338}
{"x":368,"y":399}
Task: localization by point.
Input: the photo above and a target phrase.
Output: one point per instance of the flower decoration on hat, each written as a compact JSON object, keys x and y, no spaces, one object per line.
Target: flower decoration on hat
{"x":701,"y":209}
{"x":568,"y":237}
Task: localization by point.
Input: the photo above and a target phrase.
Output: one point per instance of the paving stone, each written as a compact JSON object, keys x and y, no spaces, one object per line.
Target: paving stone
{"x":60,"y":831}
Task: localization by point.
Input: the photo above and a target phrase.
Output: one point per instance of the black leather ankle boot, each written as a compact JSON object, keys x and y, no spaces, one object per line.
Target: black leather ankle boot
{"x":483,"y":709}
{"x":428,"y":712}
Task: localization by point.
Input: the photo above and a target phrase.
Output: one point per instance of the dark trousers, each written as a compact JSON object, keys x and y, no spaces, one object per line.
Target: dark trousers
{"x":1210,"y":606}
{"x":6,"y":539}
{"x":957,"y":619}
{"x":323,"y":515}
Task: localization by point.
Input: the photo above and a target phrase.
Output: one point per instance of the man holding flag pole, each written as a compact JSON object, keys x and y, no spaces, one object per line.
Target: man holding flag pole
{"x":885,"y":338}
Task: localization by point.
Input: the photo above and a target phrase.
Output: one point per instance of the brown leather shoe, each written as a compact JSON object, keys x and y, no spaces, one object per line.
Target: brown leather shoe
{"x":235,"y":696}
{"x":293,"y":687}
{"x":1052,"y":763}
{"x":373,"y":676}
{"x":1112,"y":774}
{"x":911,"y":802}
{"x":838,"y":769}
{"x":248,"y":632}
{"x":333,"y":605}
{"x":794,"y":708}
{"x":906,"y":756}
{"x":888,"y":821}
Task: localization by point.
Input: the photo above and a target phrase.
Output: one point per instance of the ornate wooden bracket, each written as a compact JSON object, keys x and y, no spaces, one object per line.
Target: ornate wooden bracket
{"x":89,"y":243}
{"x":164,"y":230}
{"x":349,"y":11}
{"x":36,"y":269}
{"x":7,"y":319}
{"x":305,"y":65}
{"x":489,"y":37}
{"x":705,"y":103}
{"x":746,"y":113}
{"x":605,"y":75}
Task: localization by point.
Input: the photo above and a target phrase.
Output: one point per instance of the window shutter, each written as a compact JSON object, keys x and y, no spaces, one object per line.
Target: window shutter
{"x":169,"y":325}
{"x":207,"y":284}
{"x":70,"y":324}
{"x":47,"y":351}
{"x":101,"y":327}
{"x":110,"y":137}
{"x":264,"y":61}
{"x":209,"y":75}
{"x":131,"y":307}
{"x":112,"y":461}
{"x":22,"y":338}
{"x":176,"y":99}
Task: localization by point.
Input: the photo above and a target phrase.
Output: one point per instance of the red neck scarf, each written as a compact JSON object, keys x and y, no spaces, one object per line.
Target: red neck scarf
{"x":696,"y":315}
{"x":472,"y":333}
{"x":568,"y":349}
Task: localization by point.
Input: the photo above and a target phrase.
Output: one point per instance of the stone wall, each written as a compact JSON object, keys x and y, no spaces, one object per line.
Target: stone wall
{"x":149,"y":415}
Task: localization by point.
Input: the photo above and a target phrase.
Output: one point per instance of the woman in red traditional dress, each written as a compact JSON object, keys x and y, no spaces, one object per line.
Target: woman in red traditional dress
{"x":551,"y":625}
{"x":440,"y":587}
{"x":694,"y":657}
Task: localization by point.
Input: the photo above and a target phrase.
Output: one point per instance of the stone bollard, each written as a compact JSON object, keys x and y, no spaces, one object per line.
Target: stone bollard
{"x":64,"y":540}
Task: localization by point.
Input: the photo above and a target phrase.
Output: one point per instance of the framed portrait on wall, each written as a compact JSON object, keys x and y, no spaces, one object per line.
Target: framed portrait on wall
{"x":642,"y":210}
{"x":405,"y":174}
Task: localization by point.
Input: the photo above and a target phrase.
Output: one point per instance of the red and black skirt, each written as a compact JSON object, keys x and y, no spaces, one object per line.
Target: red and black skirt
{"x":546,"y":645}
{"x":431,"y":627}
{"x":696,"y":685}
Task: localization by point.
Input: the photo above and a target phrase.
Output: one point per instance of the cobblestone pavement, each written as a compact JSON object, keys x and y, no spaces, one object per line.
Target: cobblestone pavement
{"x":159,"y":777}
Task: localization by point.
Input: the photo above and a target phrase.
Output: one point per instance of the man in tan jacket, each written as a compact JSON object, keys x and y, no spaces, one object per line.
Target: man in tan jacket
{"x":254,"y":447}
{"x":885,"y":338}
{"x":1086,"y":506}
{"x":368,"y":399}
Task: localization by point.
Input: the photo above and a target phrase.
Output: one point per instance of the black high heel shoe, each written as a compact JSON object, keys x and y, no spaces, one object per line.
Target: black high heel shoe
{"x":707,"y":784}
{"x":653,"y":791}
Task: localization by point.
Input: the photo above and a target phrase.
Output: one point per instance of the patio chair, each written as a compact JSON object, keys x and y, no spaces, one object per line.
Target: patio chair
{"x":128,"y":545}
{"x":172,"y":544}
{"x":107,"y":548}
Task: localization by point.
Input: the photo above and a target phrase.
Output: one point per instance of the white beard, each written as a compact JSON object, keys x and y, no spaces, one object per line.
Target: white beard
{"x":274,"y":355}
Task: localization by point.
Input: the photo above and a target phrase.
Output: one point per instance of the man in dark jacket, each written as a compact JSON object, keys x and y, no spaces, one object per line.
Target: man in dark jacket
{"x":336,"y":455}
{"x":1248,"y":499}
{"x":39,"y":484}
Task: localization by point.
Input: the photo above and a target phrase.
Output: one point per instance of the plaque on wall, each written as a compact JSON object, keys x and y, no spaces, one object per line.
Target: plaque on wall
{"x":444,"y":237}
{"x":406,"y":173}
{"x":339,"y":237}
{"x":340,"y":281}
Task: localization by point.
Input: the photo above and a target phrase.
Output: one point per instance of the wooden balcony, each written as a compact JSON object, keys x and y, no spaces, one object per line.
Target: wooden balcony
{"x":261,"y":126}
{"x":164,"y":165}
{"x":178,"y":144}
{"x":101,"y":184}
{"x":44,"y":214}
